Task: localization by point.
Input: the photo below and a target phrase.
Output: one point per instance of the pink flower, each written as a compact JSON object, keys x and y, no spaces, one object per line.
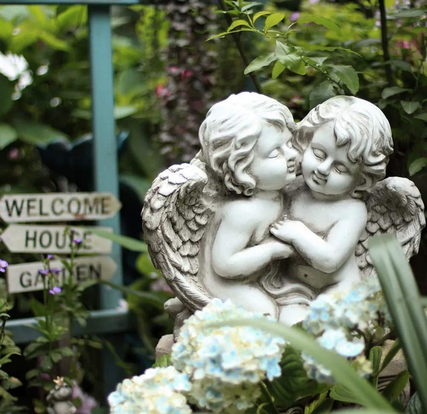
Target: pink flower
{"x":14,"y":154}
{"x":294,"y":16}
{"x":88,"y":402}
{"x":3,"y":265}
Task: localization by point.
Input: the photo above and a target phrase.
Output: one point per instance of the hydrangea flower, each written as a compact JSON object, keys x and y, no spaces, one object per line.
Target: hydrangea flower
{"x":157,"y":391}
{"x":226,"y":364}
{"x":341,"y":321}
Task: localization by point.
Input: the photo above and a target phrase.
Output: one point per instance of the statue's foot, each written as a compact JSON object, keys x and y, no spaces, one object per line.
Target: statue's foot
{"x":292,"y":314}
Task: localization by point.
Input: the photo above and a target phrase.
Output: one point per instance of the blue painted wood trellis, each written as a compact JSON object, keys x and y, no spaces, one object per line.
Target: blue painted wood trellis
{"x":107,"y":320}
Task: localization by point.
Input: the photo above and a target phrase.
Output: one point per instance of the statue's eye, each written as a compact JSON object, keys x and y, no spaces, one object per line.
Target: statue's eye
{"x":274,"y":154}
{"x":341,"y":168}
{"x":319,"y":153}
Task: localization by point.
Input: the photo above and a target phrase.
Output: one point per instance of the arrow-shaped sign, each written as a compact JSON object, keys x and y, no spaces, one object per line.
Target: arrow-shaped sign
{"x":26,"y":277}
{"x":58,"y":207}
{"x":29,"y":238}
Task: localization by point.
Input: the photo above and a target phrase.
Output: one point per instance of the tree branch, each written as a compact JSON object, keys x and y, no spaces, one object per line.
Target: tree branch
{"x":236,"y":37}
{"x":384,"y":43}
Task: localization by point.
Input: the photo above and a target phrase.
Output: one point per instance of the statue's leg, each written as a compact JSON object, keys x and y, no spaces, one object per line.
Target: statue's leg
{"x":292,"y":314}
{"x":254,"y":299}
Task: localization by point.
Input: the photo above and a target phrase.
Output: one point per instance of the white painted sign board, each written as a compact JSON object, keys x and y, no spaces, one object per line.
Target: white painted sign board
{"x":29,"y":238}
{"x":58,"y":207}
{"x":26,"y":277}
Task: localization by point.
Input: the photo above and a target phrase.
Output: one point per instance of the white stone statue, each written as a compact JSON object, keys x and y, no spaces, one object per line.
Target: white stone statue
{"x":236,"y":223}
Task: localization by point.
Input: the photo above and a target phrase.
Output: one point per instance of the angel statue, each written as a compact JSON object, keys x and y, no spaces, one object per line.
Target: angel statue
{"x":236,"y":223}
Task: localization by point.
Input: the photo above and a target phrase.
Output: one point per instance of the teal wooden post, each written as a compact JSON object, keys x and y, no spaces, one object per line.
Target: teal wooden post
{"x":105,"y":148}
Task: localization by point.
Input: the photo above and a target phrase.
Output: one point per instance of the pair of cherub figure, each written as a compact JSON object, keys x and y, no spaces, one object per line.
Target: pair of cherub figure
{"x":277,"y":240}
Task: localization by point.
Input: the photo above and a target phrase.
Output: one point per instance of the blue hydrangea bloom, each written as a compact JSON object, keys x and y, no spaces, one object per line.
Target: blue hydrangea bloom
{"x":226,"y":365}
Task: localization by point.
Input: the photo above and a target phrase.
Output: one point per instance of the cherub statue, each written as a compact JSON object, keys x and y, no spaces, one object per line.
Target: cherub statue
{"x":207,"y":223}
{"x":59,"y":398}
{"x":339,"y":202}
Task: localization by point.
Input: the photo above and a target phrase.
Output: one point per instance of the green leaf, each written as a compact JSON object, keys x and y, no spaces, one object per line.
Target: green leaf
{"x":348,"y":76}
{"x":147,"y":297}
{"x":407,"y":14}
{"x":73,"y":16}
{"x":394,"y":90}
{"x":273,"y":20}
{"x":46,"y":365}
{"x":36,"y":133}
{"x":124,"y":241}
{"x":145,"y":265}
{"x":6,"y":29}
{"x":6,"y":90}
{"x":238,"y":23}
{"x":163,"y":362}
{"x":278,"y":68}
{"x":260,"y":62}
{"x":310,"y":408}
{"x":341,"y":393}
{"x":317,"y":61}
{"x":260,"y":14}
{"x":287,"y":55}
{"x":287,"y":388}
{"x":321,"y":93}
{"x":414,"y":405}
{"x":422,"y":117}
{"x":7,"y":135}
{"x":410,"y":107}
{"x":121,"y":112}
{"x":417,"y":165}
{"x":340,"y":368}
{"x":396,"y":387}
{"x":375,"y":354}
{"x":402,"y":65}
{"x":321,"y":21}
{"x":334,"y":48}
{"x":403,"y":300}
{"x":53,"y":41}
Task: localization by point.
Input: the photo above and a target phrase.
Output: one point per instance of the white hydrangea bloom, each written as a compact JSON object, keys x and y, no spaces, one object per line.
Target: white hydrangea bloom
{"x":226,"y":364}
{"x":157,"y":391}
{"x":338,"y":321}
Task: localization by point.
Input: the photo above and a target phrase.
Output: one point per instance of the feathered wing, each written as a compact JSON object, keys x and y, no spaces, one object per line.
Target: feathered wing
{"x":394,"y":207}
{"x":175,"y":214}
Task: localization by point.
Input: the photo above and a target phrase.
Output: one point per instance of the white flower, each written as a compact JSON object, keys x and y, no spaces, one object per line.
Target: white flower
{"x":226,"y":364}
{"x":342,"y":321}
{"x":158,"y":391}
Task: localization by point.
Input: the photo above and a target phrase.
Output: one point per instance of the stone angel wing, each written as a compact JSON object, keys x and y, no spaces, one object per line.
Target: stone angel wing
{"x":174,"y":217}
{"x":394,"y":207}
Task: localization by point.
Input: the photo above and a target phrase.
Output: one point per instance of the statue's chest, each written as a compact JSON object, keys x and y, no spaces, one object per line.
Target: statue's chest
{"x":317,"y":215}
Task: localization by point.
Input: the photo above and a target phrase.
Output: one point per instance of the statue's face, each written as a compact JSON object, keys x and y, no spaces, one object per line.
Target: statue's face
{"x":325,"y":166}
{"x":274,"y":163}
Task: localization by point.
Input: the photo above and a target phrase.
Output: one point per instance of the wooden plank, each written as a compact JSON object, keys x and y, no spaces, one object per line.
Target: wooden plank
{"x":26,"y":277}
{"x":100,"y":322}
{"x":104,"y":130}
{"x":58,"y":207}
{"x":52,"y":239}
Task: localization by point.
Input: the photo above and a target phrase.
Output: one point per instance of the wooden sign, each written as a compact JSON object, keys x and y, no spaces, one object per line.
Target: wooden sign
{"x":29,"y":238}
{"x":58,"y":207}
{"x":26,"y":277}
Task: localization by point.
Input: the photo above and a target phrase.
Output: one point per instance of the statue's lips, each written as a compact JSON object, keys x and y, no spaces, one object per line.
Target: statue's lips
{"x":291,"y":167}
{"x":318,"y":180}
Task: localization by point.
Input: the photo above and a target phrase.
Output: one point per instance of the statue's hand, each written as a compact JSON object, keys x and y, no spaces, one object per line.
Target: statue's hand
{"x":286,"y":230}
{"x":281,"y":250}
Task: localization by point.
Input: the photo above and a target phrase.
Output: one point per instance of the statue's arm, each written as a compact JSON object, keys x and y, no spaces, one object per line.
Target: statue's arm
{"x":230,"y":256}
{"x":330,"y":253}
